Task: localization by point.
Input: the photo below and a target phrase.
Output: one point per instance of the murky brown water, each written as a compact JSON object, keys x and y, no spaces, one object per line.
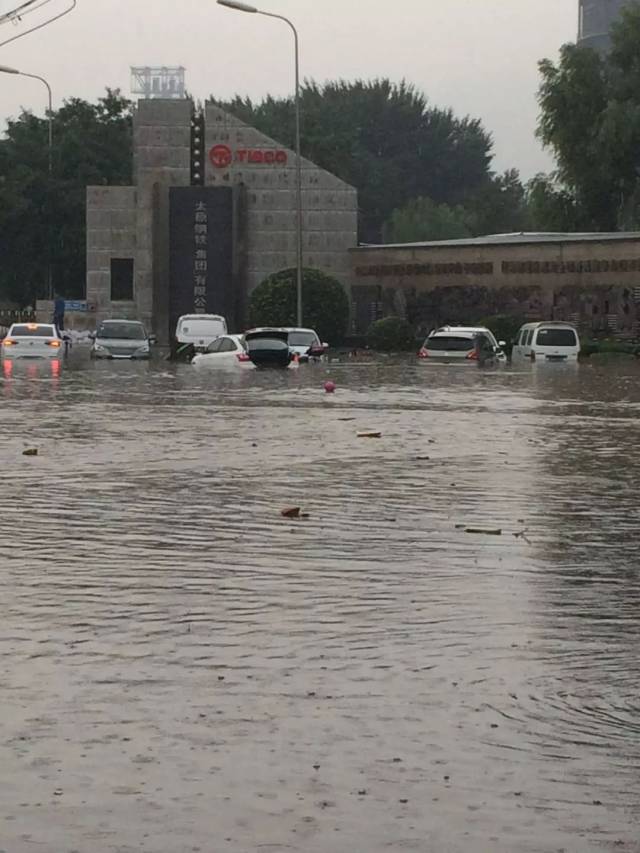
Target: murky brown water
{"x":182,"y":669}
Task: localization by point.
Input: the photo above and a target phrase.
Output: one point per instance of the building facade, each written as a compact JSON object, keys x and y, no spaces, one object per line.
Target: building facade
{"x":212,"y":212}
{"x":591,"y":280}
{"x":596,"y":18}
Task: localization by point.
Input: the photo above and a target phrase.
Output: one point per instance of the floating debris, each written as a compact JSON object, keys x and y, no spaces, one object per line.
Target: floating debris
{"x":370,"y":434}
{"x":32,"y":451}
{"x":292,"y":512}
{"x":483,"y":531}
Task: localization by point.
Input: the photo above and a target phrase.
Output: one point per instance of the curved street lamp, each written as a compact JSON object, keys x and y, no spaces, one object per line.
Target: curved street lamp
{"x":245,"y":7}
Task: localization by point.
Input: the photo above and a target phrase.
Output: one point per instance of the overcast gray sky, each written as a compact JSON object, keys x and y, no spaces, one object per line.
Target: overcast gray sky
{"x":477,"y":56}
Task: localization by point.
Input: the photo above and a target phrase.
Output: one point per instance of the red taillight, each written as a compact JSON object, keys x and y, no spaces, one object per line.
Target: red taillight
{"x":423,"y":353}
{"x":243,"y":357}
{"x":472,"y":356}
{"x":53,"y":343}
{"x":7,"y":342}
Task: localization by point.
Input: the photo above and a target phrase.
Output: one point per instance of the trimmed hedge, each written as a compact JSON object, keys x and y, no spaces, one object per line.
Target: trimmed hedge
{"x":325,"y":304}
{"x":393,"y":334}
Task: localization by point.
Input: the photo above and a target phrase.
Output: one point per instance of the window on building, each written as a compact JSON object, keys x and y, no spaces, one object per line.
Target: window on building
{"x":121,"y":279}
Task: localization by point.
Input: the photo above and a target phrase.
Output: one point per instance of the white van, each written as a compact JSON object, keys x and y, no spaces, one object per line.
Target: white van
{"x":550,"y":341}
{"x":200,"y":330}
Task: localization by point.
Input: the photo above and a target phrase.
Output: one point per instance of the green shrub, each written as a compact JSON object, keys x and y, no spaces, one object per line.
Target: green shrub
{"x":504,"y":326}
{"x":393,"y":334}
{"x":325,"y":304}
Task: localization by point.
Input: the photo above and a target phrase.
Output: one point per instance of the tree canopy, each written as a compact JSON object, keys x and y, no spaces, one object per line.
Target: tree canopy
{"x":384,"y":139}
{"x":325,"y":303}
{"x":43,"y":216}
{"x":590,"y":120}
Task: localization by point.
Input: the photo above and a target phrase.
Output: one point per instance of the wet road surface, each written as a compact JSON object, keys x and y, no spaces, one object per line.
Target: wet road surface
{"x":182,"y":669}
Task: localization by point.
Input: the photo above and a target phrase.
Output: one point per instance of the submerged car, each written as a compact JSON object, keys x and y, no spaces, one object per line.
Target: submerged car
{"x":550,"y":341}
{"x":269,"y":347}
{"x":462,"y":344}
{"x":228,"y":351}
{"x":121,"y":339}
{"x":303,"y":343}
{"x":33,"y":340}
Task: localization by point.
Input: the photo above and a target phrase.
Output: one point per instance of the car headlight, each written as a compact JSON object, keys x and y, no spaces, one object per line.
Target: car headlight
{"x":100,"y":348}
{"x":143,"y":349}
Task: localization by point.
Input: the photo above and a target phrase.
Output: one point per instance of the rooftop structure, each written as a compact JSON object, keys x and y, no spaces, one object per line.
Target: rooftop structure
{"x":158,"y":82}
{"x":596,"y":18}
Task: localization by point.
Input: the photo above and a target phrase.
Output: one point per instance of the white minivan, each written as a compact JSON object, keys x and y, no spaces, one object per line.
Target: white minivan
{"x":546,"y":341}
{"x":200,"y":330}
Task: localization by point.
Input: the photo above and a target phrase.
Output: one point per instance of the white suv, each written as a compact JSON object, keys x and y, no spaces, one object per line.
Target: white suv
{"x":462,"y":344}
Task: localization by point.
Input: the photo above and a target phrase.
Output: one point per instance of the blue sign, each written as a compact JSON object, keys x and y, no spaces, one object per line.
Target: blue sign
{"x":74,"y":305}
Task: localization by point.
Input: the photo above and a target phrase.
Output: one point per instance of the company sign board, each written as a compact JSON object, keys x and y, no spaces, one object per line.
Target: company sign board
{"x":200,"y":251}
{"x":223,"y":156}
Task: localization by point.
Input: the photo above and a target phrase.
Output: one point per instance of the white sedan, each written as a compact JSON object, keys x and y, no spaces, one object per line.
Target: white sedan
{"x":227,"y":351}
{"x":32,"y":340}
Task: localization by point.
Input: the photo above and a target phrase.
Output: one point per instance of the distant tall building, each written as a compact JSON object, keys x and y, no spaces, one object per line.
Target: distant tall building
{"x":596,"y":18}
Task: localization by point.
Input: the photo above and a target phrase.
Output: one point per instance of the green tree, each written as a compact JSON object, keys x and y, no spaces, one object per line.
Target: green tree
{"x":392,"y":334}
{"x":590,"y":120}
{"x":500,"y":207}
{"x":42,"y":216}
{"x":382,"y":138}
{"x":325,"y":303}
{"x":422,"y":219}
{"x":552,"y":207}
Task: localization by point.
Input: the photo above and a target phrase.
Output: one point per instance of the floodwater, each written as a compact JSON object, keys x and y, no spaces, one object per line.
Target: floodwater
{"x":183,"y":669}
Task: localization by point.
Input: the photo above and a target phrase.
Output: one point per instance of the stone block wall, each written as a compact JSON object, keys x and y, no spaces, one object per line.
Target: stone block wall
{"x":593,"y":283}
{"x":162,"y":146}
{"x":111,"y":233}
{"x":133,"y":222}
{"x":330,"y":206}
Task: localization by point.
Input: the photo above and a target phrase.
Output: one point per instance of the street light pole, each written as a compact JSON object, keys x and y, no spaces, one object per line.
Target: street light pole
{"x":5,"y":69}
{"x":244,"y":7}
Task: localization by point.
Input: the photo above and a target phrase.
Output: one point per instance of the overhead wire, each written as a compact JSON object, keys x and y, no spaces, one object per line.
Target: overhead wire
{"x":17,"y":15}
{"x":43,"y":24}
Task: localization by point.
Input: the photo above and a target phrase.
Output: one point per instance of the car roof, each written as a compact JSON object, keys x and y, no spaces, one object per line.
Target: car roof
{"x":283,"y":329}
{"x":201,"y":317}
{"x":121,"y":322}
{"x":556,"y":323}
{"x":458,"y":330}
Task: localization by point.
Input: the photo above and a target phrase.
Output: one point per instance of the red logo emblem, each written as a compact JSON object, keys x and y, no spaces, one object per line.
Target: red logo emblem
{"x":221,"y":156}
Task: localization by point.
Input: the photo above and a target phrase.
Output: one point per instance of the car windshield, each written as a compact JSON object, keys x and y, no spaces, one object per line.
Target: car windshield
{"x":556,"y":338}
{"x":32,"y":330}
{"x":303,"y":339}
{"x":447,"y":343}
{"x":122,"y":331}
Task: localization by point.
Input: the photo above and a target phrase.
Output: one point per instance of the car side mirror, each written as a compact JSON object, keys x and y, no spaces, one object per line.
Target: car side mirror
{"x":92,"y":336}
{"x":153,"y":339}
{"x":502,"y":343}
